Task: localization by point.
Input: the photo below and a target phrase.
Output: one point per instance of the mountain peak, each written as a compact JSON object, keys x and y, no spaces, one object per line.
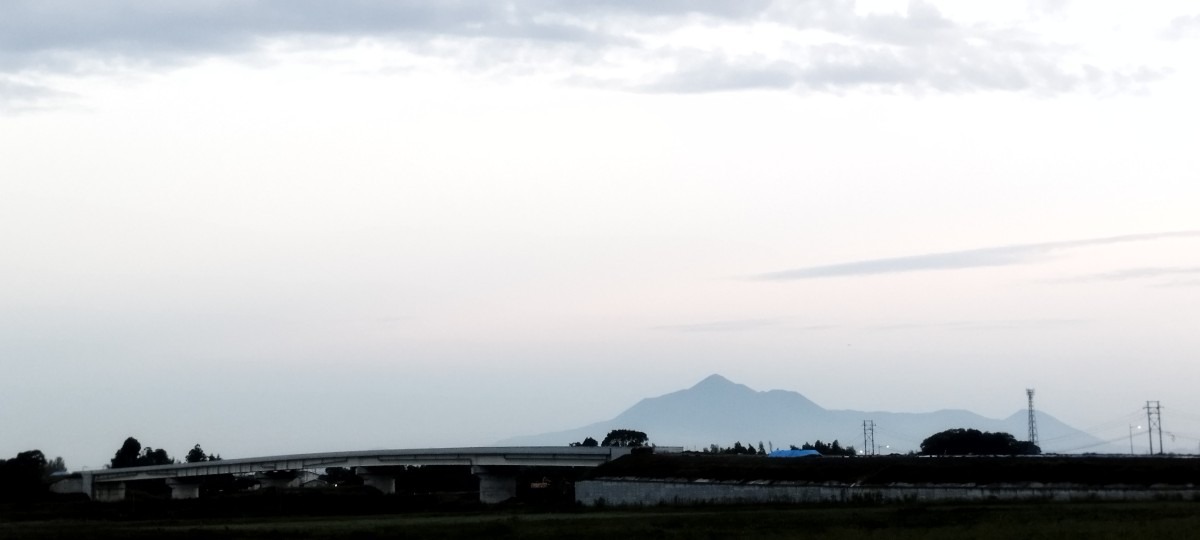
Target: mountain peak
{"x":714,"y":381}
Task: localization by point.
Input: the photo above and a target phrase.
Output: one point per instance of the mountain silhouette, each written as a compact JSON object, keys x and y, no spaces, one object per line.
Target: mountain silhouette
{"x":719,"y":411}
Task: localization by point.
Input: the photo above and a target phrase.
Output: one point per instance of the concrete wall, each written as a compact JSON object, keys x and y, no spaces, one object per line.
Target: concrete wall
{"x":69,"y":485}
{"x":654,"y":492}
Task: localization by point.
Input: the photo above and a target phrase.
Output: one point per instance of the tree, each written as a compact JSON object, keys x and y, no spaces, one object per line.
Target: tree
{"x":24,"y":476}
{"x":625,"y":438}
{"x":828,"y":449}
{"x":127,"y":456}
{"x":196,"y":455}
{"x":341,"y":476}
{"x":56,"y":465}
{"x":969,"y":442}
{"x":586,"y":442}
{"x":151,"y":456}
{"x":132,"y":454}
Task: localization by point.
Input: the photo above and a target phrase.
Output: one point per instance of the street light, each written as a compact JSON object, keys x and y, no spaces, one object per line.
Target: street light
{"x":1131,"y":438}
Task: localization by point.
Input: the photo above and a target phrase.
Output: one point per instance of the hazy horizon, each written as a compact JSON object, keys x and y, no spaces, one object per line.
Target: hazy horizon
{"x":281,"y":227}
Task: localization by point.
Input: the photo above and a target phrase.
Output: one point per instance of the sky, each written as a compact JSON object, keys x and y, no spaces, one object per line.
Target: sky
{"x":275,"y":227}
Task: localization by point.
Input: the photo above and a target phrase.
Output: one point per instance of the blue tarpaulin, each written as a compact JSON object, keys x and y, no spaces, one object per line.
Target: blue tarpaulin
{"x":794,"y":453}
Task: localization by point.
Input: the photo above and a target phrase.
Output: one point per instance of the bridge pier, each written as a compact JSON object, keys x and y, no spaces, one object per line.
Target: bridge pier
{"x":183,"y":489}
{"x":108,"y":491}
{"x":496,"y":484}
{"x":373,"y":477}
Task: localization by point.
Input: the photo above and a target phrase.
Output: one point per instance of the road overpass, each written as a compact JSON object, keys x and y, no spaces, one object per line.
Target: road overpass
{"x":496,"y":468}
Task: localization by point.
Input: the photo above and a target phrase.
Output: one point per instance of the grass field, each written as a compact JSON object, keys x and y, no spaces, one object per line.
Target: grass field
{"x":983,"y":521}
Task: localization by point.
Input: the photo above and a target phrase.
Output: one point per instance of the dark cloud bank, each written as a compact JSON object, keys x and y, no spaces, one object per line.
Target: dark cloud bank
{"x":919,"y":51}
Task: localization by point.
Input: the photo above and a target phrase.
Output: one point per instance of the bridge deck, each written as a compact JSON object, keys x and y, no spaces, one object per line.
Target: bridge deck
{"x":550,"y":456}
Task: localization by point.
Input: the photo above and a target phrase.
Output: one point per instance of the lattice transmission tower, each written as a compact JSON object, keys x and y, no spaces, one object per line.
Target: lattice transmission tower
{"x":1154,"y":422}
{"x":1033,"y":438}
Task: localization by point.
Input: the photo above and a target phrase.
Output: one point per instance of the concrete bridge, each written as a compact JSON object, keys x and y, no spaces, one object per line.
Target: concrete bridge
{"x":496,"y":468}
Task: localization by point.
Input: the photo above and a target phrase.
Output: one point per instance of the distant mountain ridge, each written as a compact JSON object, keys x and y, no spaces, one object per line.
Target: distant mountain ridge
{"x":719,"y":411}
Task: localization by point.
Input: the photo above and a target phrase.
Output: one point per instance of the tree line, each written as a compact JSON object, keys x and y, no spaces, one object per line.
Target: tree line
{"x":27,"y":475}
{"x":825,"y":449}
{"x":627,"y":438}
{"x":958,"y":441}
{"x":131,"y":454}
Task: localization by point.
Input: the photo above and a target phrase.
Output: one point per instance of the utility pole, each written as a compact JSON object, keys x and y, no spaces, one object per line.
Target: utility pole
{"x":1033,"y":437}
{"x":1154,"y":421}
{"x":869,"y":437}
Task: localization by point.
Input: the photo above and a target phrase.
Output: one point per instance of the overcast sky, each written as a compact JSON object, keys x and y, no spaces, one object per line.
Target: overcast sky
{"x":293,"y":225}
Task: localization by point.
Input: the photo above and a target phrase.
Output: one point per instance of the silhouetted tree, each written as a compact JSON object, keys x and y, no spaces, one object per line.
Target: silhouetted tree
{"x":625,"y":437}
{"x":828,"y":449}
{"x":24,"y":476}
{"x":127,"y":456}
{"x":151,"y":456}
{"x":341,"y":476}
{"x":586,"y":442}
{"x":56,"y":465}
{"x":966,"y":442}
{"x":132,"y":454}
{"x":196,"y":455}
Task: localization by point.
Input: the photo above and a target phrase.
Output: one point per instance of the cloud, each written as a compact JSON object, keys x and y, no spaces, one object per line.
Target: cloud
{"x":1184,"y":27}
{"x":722,"y":74}
{"x":739,"y":325}
{"x":972,"y":258}
{"x":18,"y":96}
{"x":1142,"y":273}
{"x":722,"y":326}
{"x":983,"y":325}
{"x":1164,"y":276}
{"x":1179,"y":283}
{"x":919,"y":51}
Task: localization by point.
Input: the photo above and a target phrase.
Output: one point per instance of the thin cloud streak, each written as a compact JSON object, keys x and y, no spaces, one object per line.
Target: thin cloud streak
{"x":1138,"y":273}
{"x":951,"y":260}
{"x":722,"y":326}
{"x":982,"y":325}
{"x":739,"y":325}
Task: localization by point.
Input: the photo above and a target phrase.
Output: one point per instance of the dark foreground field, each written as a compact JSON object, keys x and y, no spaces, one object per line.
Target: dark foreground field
{"x":1055,"y":521}
{"x":1080,"y":470}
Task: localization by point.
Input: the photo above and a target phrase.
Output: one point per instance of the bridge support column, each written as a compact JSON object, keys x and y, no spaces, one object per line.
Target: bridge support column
{"x":183,"y":489}
{"x":108,"y":491}
{"x":376,"y":478}
{"x":496,"y":484}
